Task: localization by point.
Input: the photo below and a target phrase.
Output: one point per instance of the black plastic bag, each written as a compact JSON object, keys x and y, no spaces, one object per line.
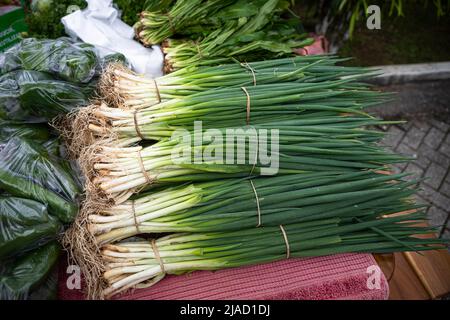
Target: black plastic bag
{"x":24,"y":225}
{"x":19,"y":277}
{"x":27,"y":170}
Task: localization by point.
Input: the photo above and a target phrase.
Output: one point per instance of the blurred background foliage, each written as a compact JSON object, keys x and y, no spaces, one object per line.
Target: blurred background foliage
{"x":411,"y":30}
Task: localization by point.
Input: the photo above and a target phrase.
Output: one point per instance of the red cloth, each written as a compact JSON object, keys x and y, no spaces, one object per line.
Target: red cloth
{"x":341,"y":276}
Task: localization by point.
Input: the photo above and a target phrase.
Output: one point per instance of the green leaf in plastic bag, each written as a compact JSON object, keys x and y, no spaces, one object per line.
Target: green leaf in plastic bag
{"x":35,"y":132}
{"x":24,"y":225}
{"x":34,"y":96}
{"x":28,"y":170}
{"x":63,"y":58}
{"x":19,"y":277}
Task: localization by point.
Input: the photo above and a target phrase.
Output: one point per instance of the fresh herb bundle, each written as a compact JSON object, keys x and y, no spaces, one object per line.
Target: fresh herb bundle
{"x":205,"y":32}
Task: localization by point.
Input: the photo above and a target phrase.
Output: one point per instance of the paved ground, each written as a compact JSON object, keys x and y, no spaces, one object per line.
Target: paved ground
{"x":428,"y":140}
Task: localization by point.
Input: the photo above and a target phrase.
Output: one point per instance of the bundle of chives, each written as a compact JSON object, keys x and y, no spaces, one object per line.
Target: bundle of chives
{"x":116,"y":173}
{"x":141,"y":264}
{"x":233,"y":204}
{"x":125,"y":89}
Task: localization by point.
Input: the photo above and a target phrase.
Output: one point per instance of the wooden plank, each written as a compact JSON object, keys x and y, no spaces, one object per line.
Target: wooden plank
{"x":417,"y":277}
{"x":404,"y":284}
{"x":433,"y":269}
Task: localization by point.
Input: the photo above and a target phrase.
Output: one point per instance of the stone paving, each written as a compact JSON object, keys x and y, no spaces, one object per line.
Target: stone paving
{"x":427,"y":139}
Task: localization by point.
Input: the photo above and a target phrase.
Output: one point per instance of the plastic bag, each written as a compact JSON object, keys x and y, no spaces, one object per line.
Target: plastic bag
{"x":24,"y":225}
{"x":34,"y":96}
{"x":48,"y":290}
{"x":100,"y":25}
{"x":56,"y":148}
{"x":67,"y":60}
{"x":35,"y":132}
{"x":23,"y":275}
{"x":109,"y":58}
{"x":27,"y":170}
{"x":53,"y":146}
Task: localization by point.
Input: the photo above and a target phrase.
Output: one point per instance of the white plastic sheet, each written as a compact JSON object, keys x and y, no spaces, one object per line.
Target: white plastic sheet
{"x":99,"y":24}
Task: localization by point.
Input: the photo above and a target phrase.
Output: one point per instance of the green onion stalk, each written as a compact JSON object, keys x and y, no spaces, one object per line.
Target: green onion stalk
{"x":234,"y":204}
{"x":116,"y":173}
{"x":143,"y":263}
{"x":122,"y":88}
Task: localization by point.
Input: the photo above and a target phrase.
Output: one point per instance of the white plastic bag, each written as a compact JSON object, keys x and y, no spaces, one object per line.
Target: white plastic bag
{"x":99,"y":24}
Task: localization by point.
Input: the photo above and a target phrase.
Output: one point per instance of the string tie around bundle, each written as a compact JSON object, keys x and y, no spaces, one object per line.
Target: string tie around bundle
{"x":256,"y":158}
{"x":157,"y":256}
{"x":198,"y":49}
{"x":286,"y":241}
{"x":158,"y":94}
{"x":248,"y":67}
{"x":248,"y":104}
{"x":147,"y":177}
{"x":133,"y":209}
{"x":257,"y":203}
{"x":136,"y":125}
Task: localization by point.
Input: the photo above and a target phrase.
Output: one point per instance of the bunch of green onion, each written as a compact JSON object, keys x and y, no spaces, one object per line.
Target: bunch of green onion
{"x":302,"y":147}
{"x":235,"y":106}
{"x":143,"y":263}
{"x":330,"y":194}
{"x":125,"y":89}
{"x":234,"y":204}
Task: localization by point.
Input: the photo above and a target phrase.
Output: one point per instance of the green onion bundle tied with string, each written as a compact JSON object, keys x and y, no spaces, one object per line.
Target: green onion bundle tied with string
{"x":229,"y":107}
{"x":305,"y":122}
{"x":226,"y":95}
{"x":143,"y":263}
{"x":297,"y":146}
{"x":233,"y":204}
{"x":318,"y":123}
{"x":124,"y":89}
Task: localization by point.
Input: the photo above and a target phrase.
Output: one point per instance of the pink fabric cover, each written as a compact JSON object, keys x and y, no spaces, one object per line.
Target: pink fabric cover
{"x":341,"y":276}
